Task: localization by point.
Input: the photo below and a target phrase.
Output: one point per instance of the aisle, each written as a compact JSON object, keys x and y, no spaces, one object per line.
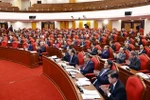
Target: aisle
{"x":18,"y":82}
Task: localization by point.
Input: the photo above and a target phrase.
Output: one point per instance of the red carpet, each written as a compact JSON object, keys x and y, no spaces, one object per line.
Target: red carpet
{"x":18,"y":82}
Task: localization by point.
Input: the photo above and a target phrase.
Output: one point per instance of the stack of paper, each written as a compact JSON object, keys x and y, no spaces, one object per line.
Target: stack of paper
{"x":83,"y":79}
{"x":33,"y":51}
{"x":125,"y":67}
{"x":145,"y":76}
{"x":54,"y":57}
{"x":82,"y":82}
{"x":69,"y":67}
{"x":90,"y":94}
{"x":72,"y":70}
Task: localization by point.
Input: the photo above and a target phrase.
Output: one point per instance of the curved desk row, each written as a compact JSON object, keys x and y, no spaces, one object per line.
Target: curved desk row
{"x":63,"y":81}
{"x":125,"y":74}
{"x":23,"y":57}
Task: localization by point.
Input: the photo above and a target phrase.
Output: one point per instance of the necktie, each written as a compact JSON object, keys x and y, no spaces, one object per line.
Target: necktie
{"x":103,"y":72}
{"x":112,"y":88}
{"x":70,"y":59}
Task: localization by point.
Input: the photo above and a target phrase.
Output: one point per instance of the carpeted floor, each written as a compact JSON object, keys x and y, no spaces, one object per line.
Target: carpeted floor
{"x":18,"y":82}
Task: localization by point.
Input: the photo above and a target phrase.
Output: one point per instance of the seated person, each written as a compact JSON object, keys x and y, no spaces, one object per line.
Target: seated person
{"x":88,"y":65}
{"x":66,"y":55}
{"x":121,"y":56}
{"x":102,"y":76}
{"x":127,"y":47}
{"x":134,"y":61}
{"x":41,"y":48}
{"x":93,"y":51}
{"x":141,"y":50}
{"x":116,"y":90}
{"x":82,"y":43}
{"x":30,"y":47}
{"x":112,"y":45}
{"x":73,"y":59}
{"x":127,"y":40}
{"x":104,"y":53}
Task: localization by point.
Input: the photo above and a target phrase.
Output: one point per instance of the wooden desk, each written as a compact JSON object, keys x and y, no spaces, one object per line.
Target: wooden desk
{"x":125,"y":74}
{"x":54,"y":51}
{"x":19,"y":56}
{"x":63,"y":81}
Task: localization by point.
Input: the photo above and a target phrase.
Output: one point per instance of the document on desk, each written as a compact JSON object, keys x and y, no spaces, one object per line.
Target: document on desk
{"x":83,"y":83}
{"x":33,"y":51}
{"x":83,"y":79}
{"x":54,"y":57}
{"x":72,"y":70}
{"x":145,"y":76}
{"x":90,"y":94}
{"x":125,"y":67}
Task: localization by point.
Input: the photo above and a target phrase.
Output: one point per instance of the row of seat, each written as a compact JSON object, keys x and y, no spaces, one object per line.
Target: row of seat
{"x":98,"y":5}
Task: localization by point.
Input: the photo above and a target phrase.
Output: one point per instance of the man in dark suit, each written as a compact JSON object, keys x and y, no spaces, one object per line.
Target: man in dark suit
{"x":73,"y":59}
{"x":116,"y":90}
{"x":134,"y":61}
{"x":112,"y":45}
{"x":121,"y":56}
{"x":102,"y":76}
{"x":88,"y":65}
{"x":141,"y":50}
{"x":93,"y":51}
{"x":30,"y":47}
{"x":105,"y":52}
{"x":41,"y":49}
{"x":82,"y":43}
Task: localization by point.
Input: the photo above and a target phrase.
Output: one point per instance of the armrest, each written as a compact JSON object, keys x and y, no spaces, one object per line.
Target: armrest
{"x":111,"y":58}
{"x":90,"y":75}
{"x":44,"y":53}
{"x":145,"y":71}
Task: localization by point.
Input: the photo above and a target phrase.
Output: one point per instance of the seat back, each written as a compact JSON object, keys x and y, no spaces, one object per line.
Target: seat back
{"x":81,"y":58}
{"x":117,"y":45}
{"x":134,"y":83}
{"x":132,"y":41}
{"x":15,"y":44}
{"x":115,"y":38}
{"x":147,"y":49}
{"x":144,"y":61}
{"x":144,"y":42}
{"x":88,"y":44}
{"x":132,"y":46}
{"x":34,"y":46}
{"x":96,"y":62}
{"x":111,"y":53}
{"x":98,"y":47}
{"x":4,"y":44}
{"x":25,"y":45}
{"x":127,"y":54}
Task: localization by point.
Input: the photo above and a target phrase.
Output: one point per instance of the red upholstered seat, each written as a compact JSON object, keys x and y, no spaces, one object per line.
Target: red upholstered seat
{"x":81,"y":58}
{"x":144,"y":42}
{"x":115,"y":38}
{"x":132,"y":41}
{"x":4,"y":43}
{"x":25,"y":45}
{"x":117,"y":45}
{"x":147,"y":49}
{"x":88,"y":44}
{"x":132,"y":46}
{"x":127,"y":54}
{"x":104,"y":40}
{"x":15,"y":44}
{"x":134,"y":83}
{"x":111,"y":56}
{"x":144,"y":63}
{"x":98,"y":47}
{"x":34,"y":46}
{"x":78,"y":42}
{"x":96,"y":67}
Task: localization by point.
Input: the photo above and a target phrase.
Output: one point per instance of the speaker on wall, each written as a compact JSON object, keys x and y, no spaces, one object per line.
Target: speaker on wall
{"x":32,"y":17}
{"x":128,"y":13}
{"x":39,"y":2}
